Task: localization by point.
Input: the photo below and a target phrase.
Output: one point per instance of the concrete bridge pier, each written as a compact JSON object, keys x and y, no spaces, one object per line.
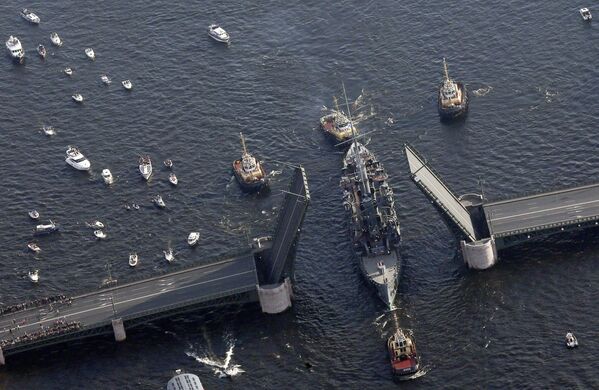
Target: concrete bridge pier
{"x":481,"y":254}
{"x":2,"y":361}
{"x":275,"y":298}
{"x":119,"y":329}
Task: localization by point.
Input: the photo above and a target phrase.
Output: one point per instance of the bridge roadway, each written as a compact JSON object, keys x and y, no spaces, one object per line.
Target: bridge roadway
{"x":136,"y":299}
{"x":542,"y":211}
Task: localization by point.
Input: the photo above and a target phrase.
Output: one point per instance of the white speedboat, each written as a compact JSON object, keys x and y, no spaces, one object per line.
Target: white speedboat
{"x":68,"y":71}
{"x":586,"y":14}
{"x":105,"y":79}
{"x":127,"y":84}
{"x":30,"y":16}
{"x":95,"y":225}
{"x":56,"y":41}
{"x":172,"y":178}
{"x":168,"y":255}
{"x":15,"y":48}
{"x":89,"y":52}
{"x":133,"y":259}
{"x":34,"y":275}
{"x":33,"y":214}
{"x":77,"y":160}
{"x":47,"y":228}
{"x":145,"y":166}
{"x":571,"y":341}
{"x":99,"y":234}
{"x":107,"y":176}
{"x":41,"y":50}
{"x":48,"y":130}
{"x":34,"y":247}
{"x":218,"y":33}
{"x":193,"y":238}
{"x":158,"y":201}
{"x":168,"y":163}
{"x":78,"y":98}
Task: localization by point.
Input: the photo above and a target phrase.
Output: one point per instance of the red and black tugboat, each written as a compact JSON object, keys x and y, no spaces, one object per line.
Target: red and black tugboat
{"x":453,"y":97}
{"x":337,"y":125}
{"x":402,"y":352}
{"x":248,"y":171}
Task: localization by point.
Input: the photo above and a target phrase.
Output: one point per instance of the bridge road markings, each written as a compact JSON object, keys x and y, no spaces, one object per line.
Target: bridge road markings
{"x":141,"y":297}
{"x":545,"y":210}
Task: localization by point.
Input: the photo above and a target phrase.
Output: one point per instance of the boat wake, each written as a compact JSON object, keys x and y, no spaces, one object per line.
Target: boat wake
{"x":422,"y":372}
{"x":221,"y":367}
{"x":482,"y":91}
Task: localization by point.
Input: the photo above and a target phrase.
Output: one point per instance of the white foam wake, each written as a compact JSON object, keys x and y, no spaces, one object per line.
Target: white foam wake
{"x":221,"y":368}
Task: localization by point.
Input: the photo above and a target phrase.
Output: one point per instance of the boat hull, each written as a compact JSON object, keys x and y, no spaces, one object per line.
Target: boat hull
{"x":386,"y":283}
{"x":454,"y":111}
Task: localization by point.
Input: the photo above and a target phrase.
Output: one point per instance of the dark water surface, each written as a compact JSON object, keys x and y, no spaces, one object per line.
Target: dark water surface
{"x":532,"y":122}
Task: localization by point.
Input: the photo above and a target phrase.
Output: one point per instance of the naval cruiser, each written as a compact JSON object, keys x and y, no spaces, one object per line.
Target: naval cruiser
{"x":374,"y":226}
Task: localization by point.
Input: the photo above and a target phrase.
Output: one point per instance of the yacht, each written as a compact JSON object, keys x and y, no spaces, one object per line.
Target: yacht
{"x":99,"y":234}
{"x":145,"y":166}
{"x":33,"y":214}
{"x":48,"y":228}
{"x":193,"y":238}
{"x":89,"y":52}
{"x":168,"y":255}
{"x":158,"y":201}
{"x":571,"y":341}
{"x":48,"y":130}
{"x":586,"y":14}
{"x":133,"y":259}
{"x":68,"y":71}
{"x":56,"y":41}
{"x":76,"y":159}
{"x":127,"y":84}
{"x":34,"y":247}
{"x":34,"y":275}
{"x":16,"y":49}
{"x":41,"y":50}
{"x":172,"y":178}
{"x":107,"y":176}
{"x":218,"y":33}
{"x":30,"y":16}
{"x":453,"y":97}
{"x":402,"y":352}
{"x":249,"y":172}
{"x":77,"y":97}
{"x":105,"y":79}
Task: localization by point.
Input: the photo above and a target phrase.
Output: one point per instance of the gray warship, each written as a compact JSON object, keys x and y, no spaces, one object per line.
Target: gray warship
{"x":374,"y":226}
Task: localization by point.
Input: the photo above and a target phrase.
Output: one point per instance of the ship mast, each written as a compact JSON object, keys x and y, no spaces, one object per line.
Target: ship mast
{"x":357,"y":158}
{"x":445,"y":69}
{"x":243,"y":143}
{"x":336,"y":103}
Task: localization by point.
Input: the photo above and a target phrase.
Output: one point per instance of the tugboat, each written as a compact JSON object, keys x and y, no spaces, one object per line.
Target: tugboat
{"x":402,"y":352}
{"x":453,"y":97}
{"x":374,"y":226}
{"x":249,"y":172}
{"x":337,"y":125}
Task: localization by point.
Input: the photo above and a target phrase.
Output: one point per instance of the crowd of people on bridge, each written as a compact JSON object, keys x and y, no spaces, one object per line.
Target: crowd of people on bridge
{"x":58,"y":327}
{"x":35,"y":303}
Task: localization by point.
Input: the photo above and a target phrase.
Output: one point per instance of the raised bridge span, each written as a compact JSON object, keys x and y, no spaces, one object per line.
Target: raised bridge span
{"x":491,"y":226}
{"x":262,"y":274}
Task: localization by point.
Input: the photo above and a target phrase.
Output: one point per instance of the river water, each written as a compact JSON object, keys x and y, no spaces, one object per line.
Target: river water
{"x":530,"y":68}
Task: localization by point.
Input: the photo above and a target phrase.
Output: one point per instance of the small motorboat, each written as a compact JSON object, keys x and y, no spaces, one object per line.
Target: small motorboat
{"x":68,"y":71}
{"x":99,"y":234}
{"x":172,"y":178}
{"x":47,"y":228}
{"x":107,"y":176}
{"x":127,"y":84}
{"x":158,"y":201}
{"x":145,"y":166}
{"x":218,"y":33}
{"x":402,"y":352}
{"x":78,"y":98}
{"x":168,"y":163}
{"x":89,"y":52}
{"x":586,"y":14}
{"x":133,"y":259}
{"x":76,"y":159}
{"x":34,"y":247}
{"x":249,"y":171}
{"x":41,"y":50}
{"x":95,"y":224}
{"x":56,"y":41}
{"x":105,"y":79}
{"x":571,"y":341}
{"x":30,"y":16}
{"x":34,"y":275}
{"x":48,"y":130}
{"x":168,"y":255}
{"x":13,"y":45}
{"x":33,"y":214}
{"x":193,"y":238}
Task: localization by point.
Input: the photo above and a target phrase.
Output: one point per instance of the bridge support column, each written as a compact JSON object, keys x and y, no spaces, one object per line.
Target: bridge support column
{"x":2,"y":361}
{"x":119,"y":329}
{"x":480,"y":254}
{"x":275,"y":298}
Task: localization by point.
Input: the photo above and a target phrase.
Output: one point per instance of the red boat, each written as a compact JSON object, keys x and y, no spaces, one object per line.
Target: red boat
{"x":402,"y":352}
